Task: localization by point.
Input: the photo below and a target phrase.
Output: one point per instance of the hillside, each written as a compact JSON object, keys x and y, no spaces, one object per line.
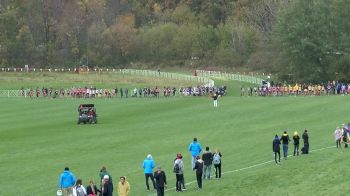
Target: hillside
{"x":293,"y":38}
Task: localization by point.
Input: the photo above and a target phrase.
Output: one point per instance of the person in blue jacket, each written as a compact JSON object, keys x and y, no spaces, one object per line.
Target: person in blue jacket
{"x":195,"y":149}
{"x":148,"y":166}
{"x":67,"y":181}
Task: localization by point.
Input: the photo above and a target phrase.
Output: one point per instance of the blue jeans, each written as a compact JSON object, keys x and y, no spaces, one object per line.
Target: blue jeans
{"x":205,"y":171}
{"x":285,"y":150}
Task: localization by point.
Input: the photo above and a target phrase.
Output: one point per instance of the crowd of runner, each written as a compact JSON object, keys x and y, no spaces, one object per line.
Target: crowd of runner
{"x":330,"y":88}
{"x":93,"y":92}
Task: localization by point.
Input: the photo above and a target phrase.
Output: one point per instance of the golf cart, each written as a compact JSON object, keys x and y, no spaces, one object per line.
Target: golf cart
{"x":87,"y":114}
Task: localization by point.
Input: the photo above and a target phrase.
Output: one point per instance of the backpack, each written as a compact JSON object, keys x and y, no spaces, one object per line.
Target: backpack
{"x":216,"y":159}
{"x":80,"y":191}
{"x":176,"y":168}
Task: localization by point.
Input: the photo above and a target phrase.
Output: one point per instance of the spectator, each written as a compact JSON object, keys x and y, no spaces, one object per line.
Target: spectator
{"x":199,"y":171}
{"x":67,"y":181}
{"x":296,"y":139}
{"x":306,"y":143}
{"x":126,"y":92}
{"x":121,"y":93}
{"x":217,"y":163}
{"x":285,"y":141}
{"x":91,"y":189}
{"x":338,"y":135}
{"x":276,"y":149}
{"x":160,"y":177}
{"x":345,"y":138}
{"x":79,"y":189}
{"x":207,"y":158}
{"x":104,"y":172}
{"x":107,"y":186}
{"x":179,"y":172}
{"x":148,"y":165}
{"x":195,"y":149}
{"x":123,"y":187}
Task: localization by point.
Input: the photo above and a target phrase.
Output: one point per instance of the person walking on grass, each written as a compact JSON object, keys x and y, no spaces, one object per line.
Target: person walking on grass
{"x":179,"y":172}
{"x":195,"y":149}
{"x":123,"y":187}
{"x":217,"y":163}
{"x":285,"y":141}
{"x":66,"y":182}
{"x":338,"y":134}
{"x":296,"y":139}
{"x":148,"y":166}
{"x":199,"y":171}
{"x":79,"y":189}
{"x":207,"y":158}
{"x":276,"y":149}
{"x":161,"y":183}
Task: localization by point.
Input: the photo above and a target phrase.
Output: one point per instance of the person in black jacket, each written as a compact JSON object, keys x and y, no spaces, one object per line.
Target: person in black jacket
{"x":199,"y":171}
{"x":306,"y":142}
{"x":285,"y":141}
{"x":276,"y":148}
{"x":207,"y":158}
{"x":91,"y":189}
{"x":160,"y":178}
{"x":107,"y":188}
{"x":296,"y":139}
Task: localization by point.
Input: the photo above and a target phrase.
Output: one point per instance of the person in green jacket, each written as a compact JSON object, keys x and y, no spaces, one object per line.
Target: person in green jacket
{"x":104,"y":172}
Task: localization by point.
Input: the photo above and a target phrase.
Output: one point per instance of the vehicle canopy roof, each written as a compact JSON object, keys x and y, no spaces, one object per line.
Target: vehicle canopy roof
{"x":87,"y":105}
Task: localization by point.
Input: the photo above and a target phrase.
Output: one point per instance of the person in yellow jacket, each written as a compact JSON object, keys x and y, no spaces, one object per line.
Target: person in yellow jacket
{"x":123,"y":187}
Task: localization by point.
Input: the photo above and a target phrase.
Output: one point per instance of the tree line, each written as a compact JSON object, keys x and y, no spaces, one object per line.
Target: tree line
{"x":294,"y":38}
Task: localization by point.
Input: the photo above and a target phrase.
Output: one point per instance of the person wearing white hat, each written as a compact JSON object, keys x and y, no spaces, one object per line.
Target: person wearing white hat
{"x":148,"y":166}
{"x":107,"y":187}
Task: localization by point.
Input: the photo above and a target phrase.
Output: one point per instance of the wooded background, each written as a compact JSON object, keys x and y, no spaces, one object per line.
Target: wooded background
{"x":299,"y":40}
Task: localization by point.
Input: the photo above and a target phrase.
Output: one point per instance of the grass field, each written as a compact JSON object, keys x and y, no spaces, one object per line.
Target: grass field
{"x":39,"y":137}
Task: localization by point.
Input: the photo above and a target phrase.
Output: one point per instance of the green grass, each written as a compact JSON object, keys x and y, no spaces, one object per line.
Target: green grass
{"x":39,"y":137}
{"x":11,"y":80}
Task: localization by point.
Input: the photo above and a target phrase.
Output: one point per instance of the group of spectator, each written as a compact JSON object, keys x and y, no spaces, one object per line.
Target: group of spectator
{"x":342,"y":135}
{"x":284,"y":139}
{"x":329,"y":88}
{"x":70,"y":186}
{"x":201,"y":162}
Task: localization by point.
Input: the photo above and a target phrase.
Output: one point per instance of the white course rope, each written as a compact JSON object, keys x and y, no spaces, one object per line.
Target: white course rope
{"x":249,"y":167}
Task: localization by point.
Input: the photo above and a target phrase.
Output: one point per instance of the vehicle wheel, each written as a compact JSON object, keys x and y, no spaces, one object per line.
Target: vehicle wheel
{"x":78,"y":122}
